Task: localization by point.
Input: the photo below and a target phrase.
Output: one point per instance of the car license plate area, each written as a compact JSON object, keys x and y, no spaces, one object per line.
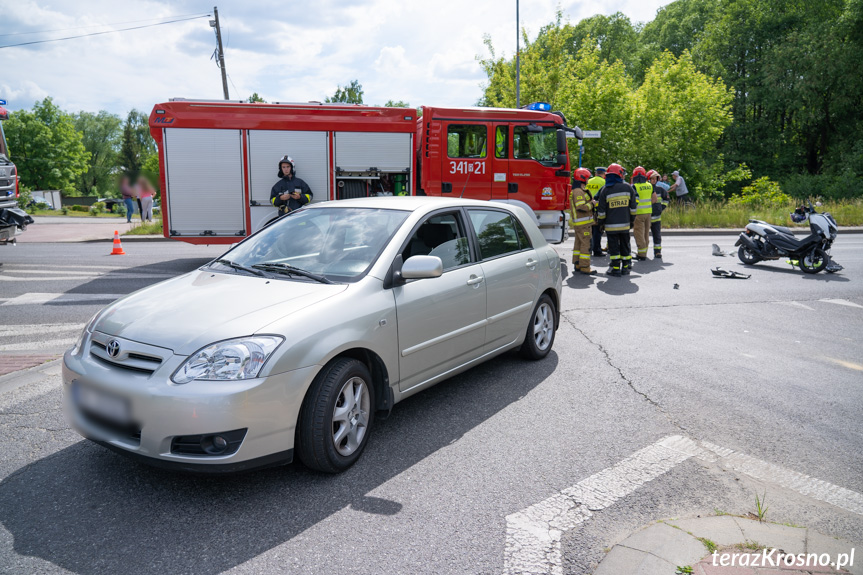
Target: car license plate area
{"x":102,"y":406}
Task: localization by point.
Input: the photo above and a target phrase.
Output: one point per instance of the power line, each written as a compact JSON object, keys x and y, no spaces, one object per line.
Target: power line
{"x":95,"y":25}
{"x":106,"y":32}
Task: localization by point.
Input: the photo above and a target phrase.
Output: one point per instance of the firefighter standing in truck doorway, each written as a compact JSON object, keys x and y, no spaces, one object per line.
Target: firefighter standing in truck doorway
{"x":593,"y":186}
{"x":582,"y":205}
{"x":290,"y":192}
{"x":646,"y":197}
{"x":658,"y":206}
{"x":616,"y":207}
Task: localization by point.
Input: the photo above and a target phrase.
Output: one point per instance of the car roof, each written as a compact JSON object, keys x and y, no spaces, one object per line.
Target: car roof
{"x":407,"y":203}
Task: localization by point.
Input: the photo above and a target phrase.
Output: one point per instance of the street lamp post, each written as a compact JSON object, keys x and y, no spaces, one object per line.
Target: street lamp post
{"x":517,"y":63}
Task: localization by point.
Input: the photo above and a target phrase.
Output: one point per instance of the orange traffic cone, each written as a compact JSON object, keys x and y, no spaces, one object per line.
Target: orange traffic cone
{"x":118,"y":247}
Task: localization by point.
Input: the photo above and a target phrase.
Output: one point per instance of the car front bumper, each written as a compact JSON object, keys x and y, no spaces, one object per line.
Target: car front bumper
{"x":158,"y":412}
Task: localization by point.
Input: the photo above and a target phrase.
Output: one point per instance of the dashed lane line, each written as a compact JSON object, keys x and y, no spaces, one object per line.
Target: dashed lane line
{"x":36,"y":298}
{"x":533,"y":535}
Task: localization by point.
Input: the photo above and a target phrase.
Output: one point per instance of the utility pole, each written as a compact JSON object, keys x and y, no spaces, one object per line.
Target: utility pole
{"x":219,"y":52}
{"x":517,"y":67}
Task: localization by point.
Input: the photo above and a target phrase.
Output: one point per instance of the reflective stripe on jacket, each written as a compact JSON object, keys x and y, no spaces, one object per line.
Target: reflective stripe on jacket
{"x":617,"y":204}
{"x":581,"y":206}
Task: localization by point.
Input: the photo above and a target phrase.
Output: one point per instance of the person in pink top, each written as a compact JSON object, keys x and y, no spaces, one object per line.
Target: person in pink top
{"x":145,"y":196}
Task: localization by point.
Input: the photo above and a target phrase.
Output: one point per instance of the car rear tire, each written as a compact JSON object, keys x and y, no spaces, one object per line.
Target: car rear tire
{"x":336,"y":417}
{"x":540,"y":330}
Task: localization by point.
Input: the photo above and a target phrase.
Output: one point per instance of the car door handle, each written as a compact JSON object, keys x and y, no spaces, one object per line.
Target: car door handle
{"x":475,"y":280}
{"x":531,"y":263}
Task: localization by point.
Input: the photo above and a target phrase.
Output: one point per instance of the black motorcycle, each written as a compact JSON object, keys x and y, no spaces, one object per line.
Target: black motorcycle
{"x":763,"y":241}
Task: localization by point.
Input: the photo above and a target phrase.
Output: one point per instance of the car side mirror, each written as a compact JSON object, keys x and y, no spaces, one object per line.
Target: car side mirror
{"x":422,"y":267}
{"x":561,"y":159}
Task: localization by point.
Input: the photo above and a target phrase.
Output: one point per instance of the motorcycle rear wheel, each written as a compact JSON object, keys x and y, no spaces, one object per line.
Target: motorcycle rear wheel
{"x":747,"y":256}
{"x":814,"y":261}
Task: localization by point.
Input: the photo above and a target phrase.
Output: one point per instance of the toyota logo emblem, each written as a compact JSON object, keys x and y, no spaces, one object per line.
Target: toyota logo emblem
{"x":113,"y":348}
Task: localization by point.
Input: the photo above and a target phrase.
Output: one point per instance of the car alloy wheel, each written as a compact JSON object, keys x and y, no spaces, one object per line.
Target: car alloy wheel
{"x":351,"y":416}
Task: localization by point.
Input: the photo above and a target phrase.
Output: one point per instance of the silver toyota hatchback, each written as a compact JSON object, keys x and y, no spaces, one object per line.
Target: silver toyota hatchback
{"x":292,"y":340}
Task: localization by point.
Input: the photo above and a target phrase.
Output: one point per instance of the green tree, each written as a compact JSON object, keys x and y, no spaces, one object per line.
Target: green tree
{"x":680,"y":115}
{"x":396,"y":104}
{"x":615,"y":38}
{"x":137,"y":144}
{"x":46,"y":148}
{"x":256,"y":98}
{"x":101,"y":137}
{"x":597,"y":95}
{"x":351,"y":94}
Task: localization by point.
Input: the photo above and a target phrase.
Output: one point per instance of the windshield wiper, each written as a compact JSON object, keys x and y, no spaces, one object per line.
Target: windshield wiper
{"x":240,"y":267}
{"x":291,"y":270}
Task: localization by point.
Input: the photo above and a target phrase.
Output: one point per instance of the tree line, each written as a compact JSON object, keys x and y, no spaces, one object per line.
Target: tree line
{"x":81,"y":154}
{"x":723,"y":90}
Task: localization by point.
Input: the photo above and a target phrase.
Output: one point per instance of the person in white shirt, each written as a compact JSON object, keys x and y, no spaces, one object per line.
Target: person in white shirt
{"x":679,"y":188}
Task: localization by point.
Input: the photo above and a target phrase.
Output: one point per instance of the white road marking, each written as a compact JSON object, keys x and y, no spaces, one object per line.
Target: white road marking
{"x":842,"y":302}
{"x":42,"y":298}
{"x":533,"y":535}
{"x":36,"y":345}
{"x":795,"y":304}
{"x":37,"y":329}
{"x":79,"y":276}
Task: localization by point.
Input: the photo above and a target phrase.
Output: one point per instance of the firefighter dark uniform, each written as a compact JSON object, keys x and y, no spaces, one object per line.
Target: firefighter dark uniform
{"x":641,"y":227}
{"x":658,"y":207}
{"x":581,"y":207}
{"x":616,"y":207}
{"x":593,"y":186}
{"x":288,"y":183}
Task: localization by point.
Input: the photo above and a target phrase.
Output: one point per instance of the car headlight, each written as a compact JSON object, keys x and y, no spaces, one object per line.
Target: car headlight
{"x":228,"y":360}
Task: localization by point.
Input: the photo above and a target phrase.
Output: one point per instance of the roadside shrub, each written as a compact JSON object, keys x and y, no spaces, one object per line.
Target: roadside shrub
{"x":120,"y":209}
{"x":826,"y":186}
{"x":79,"y":208}
{"x":761,"y":192}
{"x":64,"y":210}
{"x":25,"y":198}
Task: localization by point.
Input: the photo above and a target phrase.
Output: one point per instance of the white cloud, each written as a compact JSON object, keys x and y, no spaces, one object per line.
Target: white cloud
{"x":397,"y":50}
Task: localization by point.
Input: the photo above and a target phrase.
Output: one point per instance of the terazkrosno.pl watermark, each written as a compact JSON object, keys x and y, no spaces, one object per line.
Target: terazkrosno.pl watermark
{"x":775,"y":558}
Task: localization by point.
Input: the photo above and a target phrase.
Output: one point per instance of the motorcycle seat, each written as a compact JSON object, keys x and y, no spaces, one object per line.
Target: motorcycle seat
{"x":780,"y":229}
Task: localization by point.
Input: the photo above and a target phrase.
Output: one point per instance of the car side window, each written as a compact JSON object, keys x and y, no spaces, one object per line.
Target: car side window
{"x":440,"y":235}
{"x":496,"y":232}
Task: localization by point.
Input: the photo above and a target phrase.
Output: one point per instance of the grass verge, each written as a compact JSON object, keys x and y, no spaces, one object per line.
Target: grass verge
{"x":146,"y":229}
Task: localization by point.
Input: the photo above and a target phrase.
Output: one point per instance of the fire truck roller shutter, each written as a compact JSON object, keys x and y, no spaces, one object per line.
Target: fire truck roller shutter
{"x":205,"y":181}
{"x":359,"y":151}
{"x":310,"y":153}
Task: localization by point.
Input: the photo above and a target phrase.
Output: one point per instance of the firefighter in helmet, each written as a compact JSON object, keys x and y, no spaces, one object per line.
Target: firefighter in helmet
{"x":290,"y":192}
{"x":616,"y":206}
{"x":646,"y":197}
{"x":581,"y":205}
{"x":659,"y":204}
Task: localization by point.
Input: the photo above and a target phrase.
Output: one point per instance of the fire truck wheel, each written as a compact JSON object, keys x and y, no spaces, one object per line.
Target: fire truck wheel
{"x":540,"y":330}
{"x":336,"y":416}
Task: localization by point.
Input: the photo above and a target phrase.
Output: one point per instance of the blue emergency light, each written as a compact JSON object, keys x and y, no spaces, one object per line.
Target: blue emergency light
{"x":540,"y":106}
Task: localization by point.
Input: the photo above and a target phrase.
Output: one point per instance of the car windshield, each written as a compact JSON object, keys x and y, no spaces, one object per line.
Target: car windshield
{"x":335,"y":243}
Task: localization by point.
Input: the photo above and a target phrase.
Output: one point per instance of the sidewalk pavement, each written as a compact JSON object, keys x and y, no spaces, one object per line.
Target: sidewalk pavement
{"x":12,"y":362}
{"x":729,"y":545}
{"x":50,"y":229}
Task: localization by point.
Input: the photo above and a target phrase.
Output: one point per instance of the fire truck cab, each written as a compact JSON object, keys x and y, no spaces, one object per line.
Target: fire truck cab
{"x":219,"y":159}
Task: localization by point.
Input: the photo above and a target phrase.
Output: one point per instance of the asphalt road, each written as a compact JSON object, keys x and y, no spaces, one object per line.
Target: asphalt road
{"x":769,"y":366}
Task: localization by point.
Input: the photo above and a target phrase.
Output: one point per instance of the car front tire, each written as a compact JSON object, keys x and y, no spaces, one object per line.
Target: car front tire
{"x":336,"y":417}
{"x":540,"y":330}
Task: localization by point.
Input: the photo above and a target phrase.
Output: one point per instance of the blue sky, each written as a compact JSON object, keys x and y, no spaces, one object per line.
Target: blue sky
{"x":423,"y":53}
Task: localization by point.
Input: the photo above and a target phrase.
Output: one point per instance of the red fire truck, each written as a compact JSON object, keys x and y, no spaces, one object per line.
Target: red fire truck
{"x":219,"y":159}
